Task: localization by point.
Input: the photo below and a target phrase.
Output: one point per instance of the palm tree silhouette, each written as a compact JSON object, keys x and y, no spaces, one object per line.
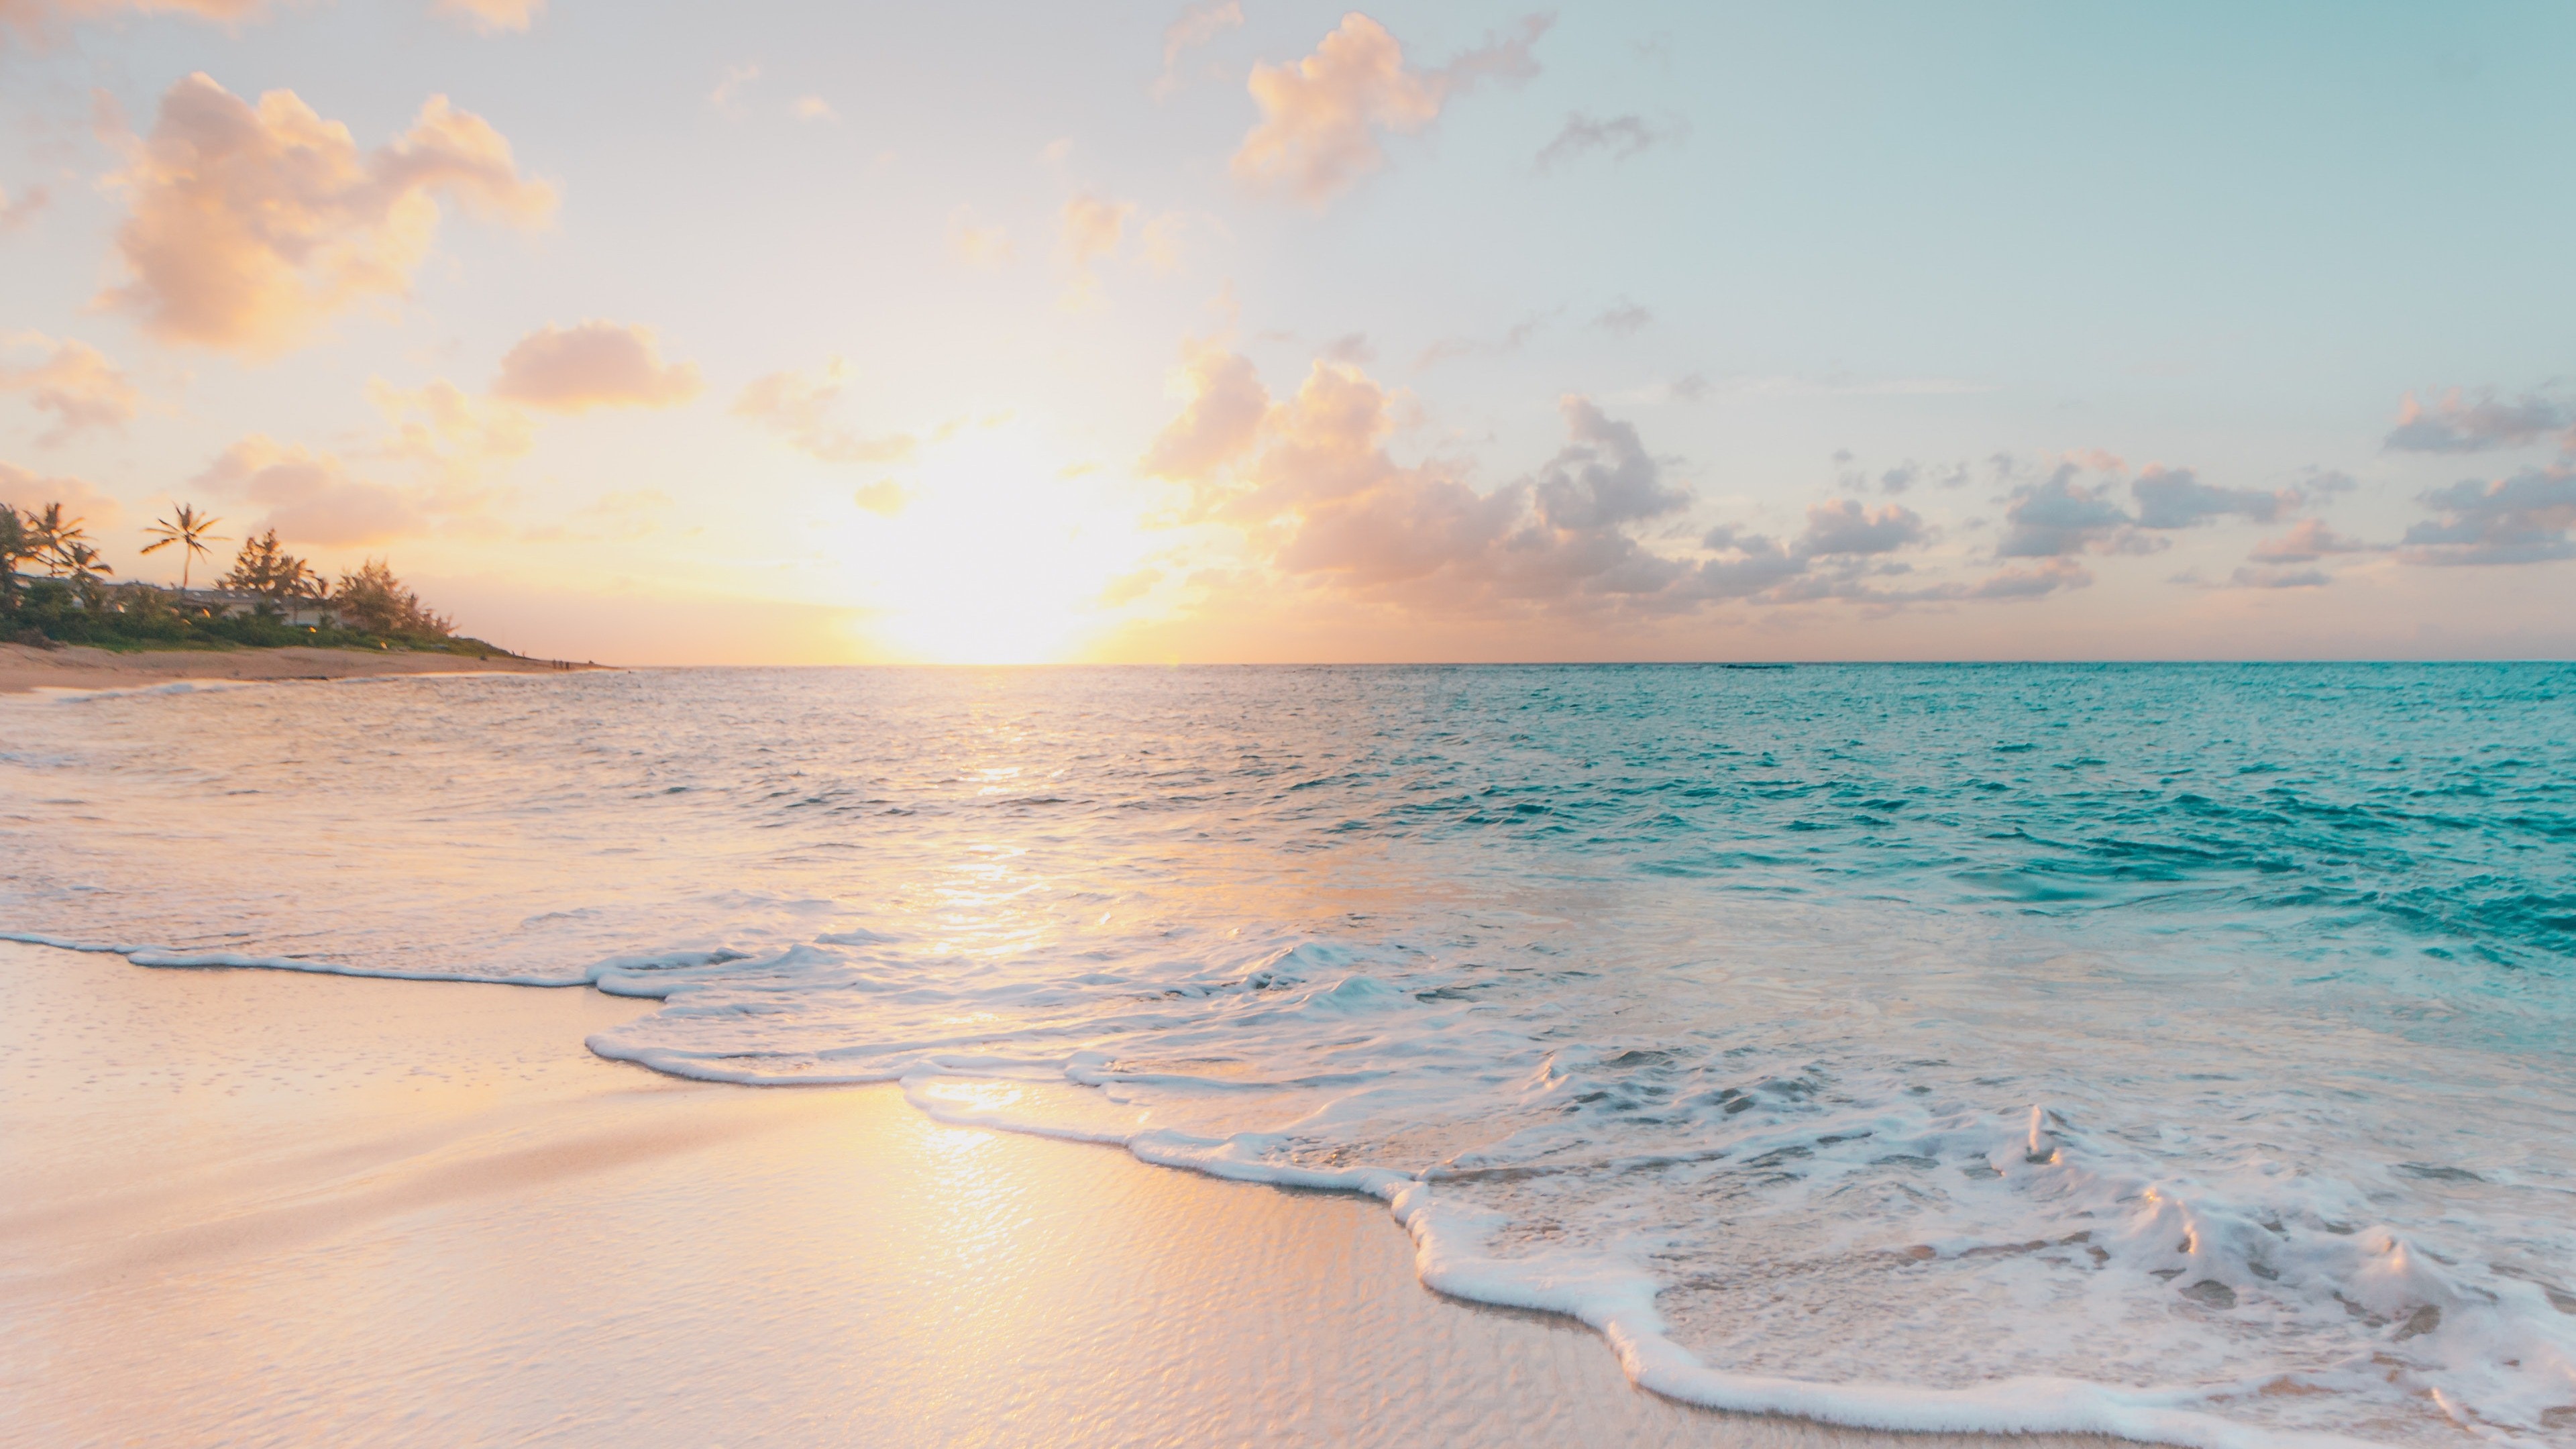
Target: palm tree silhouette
{"x":185,"y":528}
{"x":48,"y":534}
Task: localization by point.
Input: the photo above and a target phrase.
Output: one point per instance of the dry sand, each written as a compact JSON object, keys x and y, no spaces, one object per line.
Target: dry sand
{"x":256,"y":1208}
{"x":78,"y":667}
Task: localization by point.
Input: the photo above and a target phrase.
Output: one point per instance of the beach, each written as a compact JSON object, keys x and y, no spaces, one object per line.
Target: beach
{"x":24,"y":668}
{"x":1099,"y":1056}
{"x":266,"y":1208}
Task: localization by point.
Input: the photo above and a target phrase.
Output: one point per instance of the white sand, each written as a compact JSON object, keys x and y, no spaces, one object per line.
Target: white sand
{"x":255,"y":1208}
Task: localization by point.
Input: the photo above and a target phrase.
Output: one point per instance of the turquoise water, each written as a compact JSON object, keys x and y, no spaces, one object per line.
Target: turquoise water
{"x":2180,"y":1050}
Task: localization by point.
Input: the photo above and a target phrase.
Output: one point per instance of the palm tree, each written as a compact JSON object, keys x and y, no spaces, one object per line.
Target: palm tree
{"x":48,"y":534}
{"x":185,"y":528}
{"x":85,"y":566}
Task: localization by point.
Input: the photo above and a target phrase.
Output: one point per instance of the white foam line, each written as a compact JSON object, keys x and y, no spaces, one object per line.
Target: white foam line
{"x":1610,"y":1296}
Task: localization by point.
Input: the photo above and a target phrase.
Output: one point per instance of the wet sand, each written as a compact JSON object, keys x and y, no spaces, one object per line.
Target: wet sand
{"x":260,"y":1208}
{"x":79,"y":667}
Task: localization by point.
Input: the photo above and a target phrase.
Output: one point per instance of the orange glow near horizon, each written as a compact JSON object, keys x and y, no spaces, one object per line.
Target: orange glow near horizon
{"x":996,"y":556}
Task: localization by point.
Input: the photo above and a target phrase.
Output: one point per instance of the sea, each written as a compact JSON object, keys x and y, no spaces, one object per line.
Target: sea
{"x":2175,"y":1051}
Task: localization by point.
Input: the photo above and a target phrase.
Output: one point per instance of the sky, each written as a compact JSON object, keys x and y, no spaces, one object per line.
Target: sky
{"x":1260,"y":331}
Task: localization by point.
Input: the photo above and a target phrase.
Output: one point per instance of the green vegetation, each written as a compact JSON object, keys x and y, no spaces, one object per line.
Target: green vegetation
{"x":75,"y":601}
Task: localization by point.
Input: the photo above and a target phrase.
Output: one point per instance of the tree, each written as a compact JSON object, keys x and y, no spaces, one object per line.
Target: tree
{"x":374,"y":600}
{"x":185,"y":528}
{"x":17,"y":546}
{"x":86,"y":568}
{"x":51,"y":536}
{"x":265,"y":569}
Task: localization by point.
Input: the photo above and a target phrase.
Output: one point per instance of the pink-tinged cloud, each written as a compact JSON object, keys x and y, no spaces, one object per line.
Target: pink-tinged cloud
{"x":1843,"y":527}
{"x":459,"y":436}
{"x":1322,"y":117}
{"x":1198,"y":25}
{"x":1227,"y":402}
{"x":2306,"y":542}
{"x":16,"y":212}
{"x":492,"y":17}
{"x":2527,"y":518}
{"x":798,"y":410}
{"x":1323,"y":504}
{"x":311,"y":498}
{"x":28,"y":491}
{"x":593,"y":365}
{"x":2461,"y":422}
{"x":2048,"y":576}
{"x":76,"y":383}
{"x":251,"y":227}
{"x":1093,"y":229}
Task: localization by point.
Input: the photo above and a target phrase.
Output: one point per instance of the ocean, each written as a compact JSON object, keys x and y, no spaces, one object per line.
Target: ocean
{"x":2180,"y":1051}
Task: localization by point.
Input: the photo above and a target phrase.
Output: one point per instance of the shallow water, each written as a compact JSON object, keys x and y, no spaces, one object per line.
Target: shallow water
{"x":1901,"y":1045}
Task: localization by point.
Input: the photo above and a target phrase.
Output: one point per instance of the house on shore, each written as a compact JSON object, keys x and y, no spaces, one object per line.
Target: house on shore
{"x":301,"y":613}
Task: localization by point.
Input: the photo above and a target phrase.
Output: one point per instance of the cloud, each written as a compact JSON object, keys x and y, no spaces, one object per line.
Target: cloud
{"x":1625,"y":320}
{"x":457,"y":435}
{"x":492,"y":17}
{"x":2522,"y":519}
{"x":38,"y":21}
{"x":1128,"y":588}
{"x":1198,"y":25}
{"x":1845,"y":527}
{"x":2459,"y":423}
{"x":795,"y":408}
{"x":1219,"y":424}
{"x":2279,"y":578}
{"x":1902,"y":478}
{"x":976,"y":246}
{"x":1158,"y":242}
{"x":1621,"y":136}
{"x":15,"y":214}
{"x":76,"y":383}
{"x":815,"y":108}
{"x":1511,"y":341}
{"x":592,"y":365}
{"x":2037,"y":581}
{"x":2306,"y":542}
{"x":726,"y":98}
{"x":1321,"y":117}
{"x":250,"y":227}
{"x":28,"y":491}
{"x":2176,"y":498}
{"x":1093,"y":228}
{"x":311,"y":498}
{"x":2057,"y":516}
{"x":885,"y":498}
{"x":1602,"y":478}
{"x":1312,"y":485}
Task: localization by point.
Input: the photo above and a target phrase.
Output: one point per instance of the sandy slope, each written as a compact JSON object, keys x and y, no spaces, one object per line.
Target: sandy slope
{"x":23,"y":668}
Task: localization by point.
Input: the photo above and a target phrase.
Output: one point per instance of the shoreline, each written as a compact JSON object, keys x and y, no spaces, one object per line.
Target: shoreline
{"x":293,"y":1206}
{"x":24,"y":668}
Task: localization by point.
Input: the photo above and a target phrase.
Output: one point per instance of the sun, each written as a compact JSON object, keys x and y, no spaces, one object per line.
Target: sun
{"x":996,"y":553}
